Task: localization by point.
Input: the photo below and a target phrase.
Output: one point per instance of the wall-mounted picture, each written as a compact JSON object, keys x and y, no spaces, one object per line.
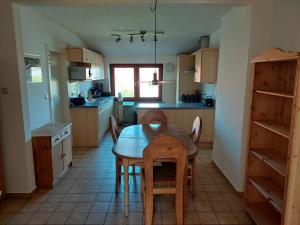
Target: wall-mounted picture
{"x":33,"y":68}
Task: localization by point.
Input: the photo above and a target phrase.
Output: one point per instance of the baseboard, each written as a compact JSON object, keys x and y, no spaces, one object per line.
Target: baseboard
{"x":208,"y":145}
{"x":21,"y":195}
{"x":239,"y":193}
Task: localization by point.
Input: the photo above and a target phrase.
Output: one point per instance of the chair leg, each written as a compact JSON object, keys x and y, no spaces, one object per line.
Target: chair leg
{"x":179,"y":205}
{"x":194,"y":176}
{"x":149,"y":208}
{"x":118,"y":175}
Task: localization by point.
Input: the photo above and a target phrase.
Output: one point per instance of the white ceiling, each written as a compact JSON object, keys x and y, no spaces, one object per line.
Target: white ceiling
{"x":183,"y":25}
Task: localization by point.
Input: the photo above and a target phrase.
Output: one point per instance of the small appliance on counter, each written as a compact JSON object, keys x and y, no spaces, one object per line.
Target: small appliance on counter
{"x":78,"y":100}
{"x":209,"y":102}
{"x":194,"y":98}
{"x":97,"y":90}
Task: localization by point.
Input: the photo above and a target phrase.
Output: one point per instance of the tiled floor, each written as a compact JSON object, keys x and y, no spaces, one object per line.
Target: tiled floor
{"x":85,"y":195}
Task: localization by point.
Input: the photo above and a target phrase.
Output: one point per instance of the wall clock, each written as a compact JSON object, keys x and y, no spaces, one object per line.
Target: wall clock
{"x":170,"y":67}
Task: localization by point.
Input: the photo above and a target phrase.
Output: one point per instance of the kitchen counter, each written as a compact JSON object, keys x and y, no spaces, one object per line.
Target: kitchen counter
{"x":171,"y":106}
{"x":93,"y":104}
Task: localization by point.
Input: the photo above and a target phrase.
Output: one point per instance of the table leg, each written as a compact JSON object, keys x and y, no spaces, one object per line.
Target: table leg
{"x":126,"y":186}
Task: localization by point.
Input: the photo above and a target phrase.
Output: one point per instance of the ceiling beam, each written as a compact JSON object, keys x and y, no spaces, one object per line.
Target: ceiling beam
{"x":93,"y":2}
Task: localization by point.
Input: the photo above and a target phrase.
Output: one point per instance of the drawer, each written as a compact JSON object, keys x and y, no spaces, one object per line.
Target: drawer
{"x":65,"y":132}
{"x":55,"y":140}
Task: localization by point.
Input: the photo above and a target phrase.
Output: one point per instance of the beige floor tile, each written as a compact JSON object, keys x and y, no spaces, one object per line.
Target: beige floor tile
{"x":58,"y":218}
{"x":77,"y":218}
{"x":82,"y":207}
{"x":6,"y":217}
{"x":30,"y":207}
{"x":65,"y":207}
{"x":215,"y":197}
{"x":100,"y":207}
{"x":39,"y":218}
{"x":243,"y":218}
{"x":114,"y":219}
{"x":96,"y":218}
{"x":134,"y":219}
{"x":20,"y":218}
{"x":226,"y":218}
{"x":87,"y":197}
{"x":47,"y":207}
{"x":220,"y":206}
{"x":208,"y":218}
{"x":210,"y":188}
{"x":191,"y":218}
{"x":71,"y":198}
{"x":203,"y":206}
{"x":168,"y":218}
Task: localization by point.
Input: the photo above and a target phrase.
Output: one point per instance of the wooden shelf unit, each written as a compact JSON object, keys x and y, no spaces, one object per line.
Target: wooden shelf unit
{"x":273,"y":162}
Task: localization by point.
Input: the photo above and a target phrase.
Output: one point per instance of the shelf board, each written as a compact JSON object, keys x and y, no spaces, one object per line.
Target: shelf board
{"x":276,"y":127}
{"x":274,"y":160}
{"x":271,"y":191}
{"x":262,"y":214}
{"x":276,"y":93}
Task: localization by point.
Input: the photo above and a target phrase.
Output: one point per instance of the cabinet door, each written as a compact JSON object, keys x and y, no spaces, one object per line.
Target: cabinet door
{"x":101,"y":67}
{"x":67,"y":151}
{"x":197,"y":77}
{"x":57,"y":161}
{"x":209,"y":63}
{"x":86,"y":56}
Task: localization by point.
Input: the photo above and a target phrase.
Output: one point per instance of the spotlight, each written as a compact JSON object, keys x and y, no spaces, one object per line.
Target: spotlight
{"x":142,"y":38}
{"x":131,"y":38}
{"x":118,"y":39}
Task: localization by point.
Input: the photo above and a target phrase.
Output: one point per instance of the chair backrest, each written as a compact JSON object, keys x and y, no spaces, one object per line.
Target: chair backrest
{"x":196,"y":130}
{"x":165,"y":148}
{"x":154,"y":116}
{"x":113,"y":128}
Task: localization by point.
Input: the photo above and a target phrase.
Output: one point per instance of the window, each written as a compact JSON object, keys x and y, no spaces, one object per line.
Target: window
{"x":125,"y":79}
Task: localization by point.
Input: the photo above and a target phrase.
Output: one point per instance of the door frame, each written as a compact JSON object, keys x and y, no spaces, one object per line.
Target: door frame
{"x":64,"y":91}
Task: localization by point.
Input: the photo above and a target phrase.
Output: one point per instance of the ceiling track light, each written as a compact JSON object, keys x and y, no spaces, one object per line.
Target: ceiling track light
{"x":118,"y":39}
{"x":142,"y":34}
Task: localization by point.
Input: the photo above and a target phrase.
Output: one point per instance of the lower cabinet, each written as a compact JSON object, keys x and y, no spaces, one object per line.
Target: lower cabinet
{"x":90,"y":124}
{"x":183,"y":118}
{"x":52,"y":153}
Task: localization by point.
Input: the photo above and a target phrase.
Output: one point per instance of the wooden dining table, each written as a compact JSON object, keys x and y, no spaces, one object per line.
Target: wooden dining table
{"x":134,"y":139}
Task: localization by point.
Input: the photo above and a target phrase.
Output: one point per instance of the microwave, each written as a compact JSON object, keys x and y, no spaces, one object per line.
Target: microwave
{"x":80,"y":73}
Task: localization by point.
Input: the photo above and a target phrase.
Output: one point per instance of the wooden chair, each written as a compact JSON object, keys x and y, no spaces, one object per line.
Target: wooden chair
{"x":115,"y":135}
{"x":164,"y":179}
{"x":192,"y":162}
{"x":155,"y":116}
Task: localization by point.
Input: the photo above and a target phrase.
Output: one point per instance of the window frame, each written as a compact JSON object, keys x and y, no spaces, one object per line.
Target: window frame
{"x":136,"y":68}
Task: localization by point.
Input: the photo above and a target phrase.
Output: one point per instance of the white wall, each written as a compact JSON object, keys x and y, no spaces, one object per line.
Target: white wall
{"x":15,"y":124}
{"x":168,"y":90}
{"x":38,"y":35}
{"x":233,"y":60}
{"x":14,"y":119}
{"x":245,"y":33}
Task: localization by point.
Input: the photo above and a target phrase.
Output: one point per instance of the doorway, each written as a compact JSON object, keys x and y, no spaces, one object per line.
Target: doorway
{"x":56,"y":82}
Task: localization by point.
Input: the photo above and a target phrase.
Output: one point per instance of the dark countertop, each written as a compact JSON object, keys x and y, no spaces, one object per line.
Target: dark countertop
{"x":171,"y":106}
{"x":94,"y":104}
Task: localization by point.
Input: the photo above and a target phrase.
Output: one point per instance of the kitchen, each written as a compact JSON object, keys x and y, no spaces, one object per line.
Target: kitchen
{"x":69,"y":67}
{"x":90,"y":113}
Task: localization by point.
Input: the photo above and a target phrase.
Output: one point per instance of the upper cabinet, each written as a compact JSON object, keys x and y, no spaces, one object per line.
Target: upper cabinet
{"x":186,"y":71}
{"x":206,"y":63}
{"x":82,"y":55}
